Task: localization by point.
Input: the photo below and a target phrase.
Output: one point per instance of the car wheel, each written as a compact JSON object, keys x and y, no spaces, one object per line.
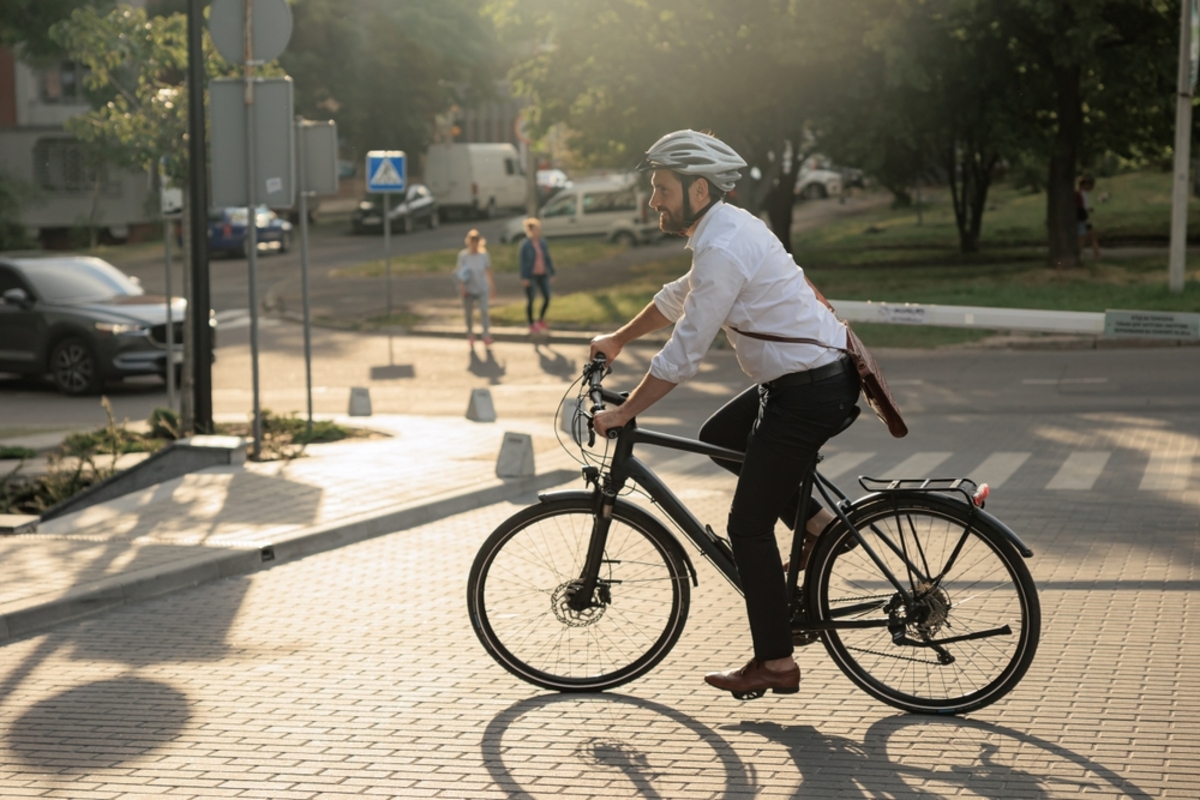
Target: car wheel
{"x":73,"y":367}
{"x":626,"y":238}
{"x":815,"y":191}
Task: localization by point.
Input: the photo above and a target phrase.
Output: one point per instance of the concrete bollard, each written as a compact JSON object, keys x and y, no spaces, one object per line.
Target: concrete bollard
{"x":360,"y":401}
{"x":480,"y":409}
{"x":516,"y":456}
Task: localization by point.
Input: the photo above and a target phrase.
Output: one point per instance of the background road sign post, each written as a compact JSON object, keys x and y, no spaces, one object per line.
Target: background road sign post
{"x":387,"y":174}
{"x":254,"y":32}
{"x":316,"y":168}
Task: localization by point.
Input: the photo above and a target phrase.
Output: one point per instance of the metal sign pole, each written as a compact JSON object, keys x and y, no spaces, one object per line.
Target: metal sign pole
{"x":170,"y":319}
{"x":387,"y":251}
{"x":301,"y":155}
{"x":1177,"y":262}
{"x":251,"y":238}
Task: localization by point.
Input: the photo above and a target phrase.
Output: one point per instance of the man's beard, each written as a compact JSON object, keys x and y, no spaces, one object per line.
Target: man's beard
{"x":668,"y":222}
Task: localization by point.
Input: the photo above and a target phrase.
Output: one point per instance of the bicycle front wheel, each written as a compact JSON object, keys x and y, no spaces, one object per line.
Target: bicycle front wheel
{"x":521,"y":580}
{"x":971,"y":628}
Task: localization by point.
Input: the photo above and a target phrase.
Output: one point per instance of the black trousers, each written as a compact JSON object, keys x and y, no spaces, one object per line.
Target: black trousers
{"x":781,"y":430}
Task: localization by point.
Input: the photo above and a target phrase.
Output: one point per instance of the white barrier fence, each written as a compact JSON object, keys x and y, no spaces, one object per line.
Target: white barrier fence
{"x":1141,"y":324}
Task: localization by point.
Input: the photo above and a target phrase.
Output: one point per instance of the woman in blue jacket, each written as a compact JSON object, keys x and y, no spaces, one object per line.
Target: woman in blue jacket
{"x":537,"y":272}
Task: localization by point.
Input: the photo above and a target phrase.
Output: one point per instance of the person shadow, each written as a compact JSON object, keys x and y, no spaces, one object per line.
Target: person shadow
{"x":552,"y":362}
{"x":486,"y":367}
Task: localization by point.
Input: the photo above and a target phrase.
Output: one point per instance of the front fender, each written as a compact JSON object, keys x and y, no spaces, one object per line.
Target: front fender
{"x":629,"y":509}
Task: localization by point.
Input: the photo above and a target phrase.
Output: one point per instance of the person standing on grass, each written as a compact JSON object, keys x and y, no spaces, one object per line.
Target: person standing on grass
{"x":475,"y":284}
{"x":1083,"y":213}
{"x":537,"y":273}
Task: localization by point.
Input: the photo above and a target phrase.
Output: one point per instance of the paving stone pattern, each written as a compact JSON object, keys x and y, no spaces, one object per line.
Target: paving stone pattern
{"x":355,"y":673}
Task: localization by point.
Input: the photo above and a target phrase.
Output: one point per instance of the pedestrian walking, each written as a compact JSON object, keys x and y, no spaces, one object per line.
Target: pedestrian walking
{"x":537,"y":273}
{"x":475,"y":284}
{"x":1083,"y":213}
{"x":743,"y":281}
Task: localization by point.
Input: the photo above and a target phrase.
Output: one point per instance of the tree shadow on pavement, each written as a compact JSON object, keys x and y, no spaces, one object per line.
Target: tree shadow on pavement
{"x":104,"y":725}
{"x":487,"y":367}
{"x":938,"y":757}
{"x":610,"y":738}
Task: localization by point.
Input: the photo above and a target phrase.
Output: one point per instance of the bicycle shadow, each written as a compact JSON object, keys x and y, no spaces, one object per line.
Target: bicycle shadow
{"x":602,"y":736}
{"x":947,"y":755}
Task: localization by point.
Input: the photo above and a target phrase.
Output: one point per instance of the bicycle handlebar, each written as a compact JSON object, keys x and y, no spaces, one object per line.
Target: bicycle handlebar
{"x":595,"y":373}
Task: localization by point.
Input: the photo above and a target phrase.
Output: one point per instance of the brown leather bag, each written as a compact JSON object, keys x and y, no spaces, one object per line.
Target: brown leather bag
{"x":874,"y":387}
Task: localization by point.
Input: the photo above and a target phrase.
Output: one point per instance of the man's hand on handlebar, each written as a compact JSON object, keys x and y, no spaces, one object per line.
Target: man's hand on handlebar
{"x":608,"y":419}
{"x":606,"y":345}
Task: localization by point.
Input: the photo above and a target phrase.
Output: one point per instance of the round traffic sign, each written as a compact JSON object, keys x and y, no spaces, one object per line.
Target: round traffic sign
{"x":271,"y":21}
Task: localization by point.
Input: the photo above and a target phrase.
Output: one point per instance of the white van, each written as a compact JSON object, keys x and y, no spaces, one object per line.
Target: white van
{"x":475,"y":179}
{"x":612,"y":208}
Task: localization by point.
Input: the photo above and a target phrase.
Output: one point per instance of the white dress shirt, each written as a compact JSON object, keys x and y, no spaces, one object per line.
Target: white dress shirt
{"x":742,"y":277}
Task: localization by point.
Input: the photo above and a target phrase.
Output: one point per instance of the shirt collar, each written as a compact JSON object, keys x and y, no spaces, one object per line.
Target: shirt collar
{"x":694,"y":239}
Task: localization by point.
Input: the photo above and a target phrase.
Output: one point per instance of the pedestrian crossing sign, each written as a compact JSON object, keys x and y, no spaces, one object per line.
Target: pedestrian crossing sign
{"x":386,"y":171}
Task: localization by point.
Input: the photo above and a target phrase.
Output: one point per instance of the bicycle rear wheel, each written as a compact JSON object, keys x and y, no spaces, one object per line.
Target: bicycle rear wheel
{"x":972,"y":594}
{"x":519,"y":584}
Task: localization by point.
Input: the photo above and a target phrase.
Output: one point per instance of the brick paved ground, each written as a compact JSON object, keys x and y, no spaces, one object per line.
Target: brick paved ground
{"x":355,"y":673}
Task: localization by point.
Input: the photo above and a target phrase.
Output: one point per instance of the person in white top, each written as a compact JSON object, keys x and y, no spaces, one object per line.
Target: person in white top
{"x":743,"y":281}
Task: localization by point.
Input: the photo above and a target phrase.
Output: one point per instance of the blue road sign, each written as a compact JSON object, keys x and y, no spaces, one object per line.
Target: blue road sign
{"x":386,"y":171}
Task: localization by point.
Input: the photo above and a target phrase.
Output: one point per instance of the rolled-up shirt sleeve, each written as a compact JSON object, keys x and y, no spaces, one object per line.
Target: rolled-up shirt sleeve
{"x":708,"y":293}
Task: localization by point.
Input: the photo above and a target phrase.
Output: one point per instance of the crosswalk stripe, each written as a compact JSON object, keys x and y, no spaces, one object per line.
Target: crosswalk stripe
{"x":1080,"y":470}
{"x":998,"y":467}
{"x":918,"y":465}
{"x":1167,"y":472}
{"x":839,"y":464}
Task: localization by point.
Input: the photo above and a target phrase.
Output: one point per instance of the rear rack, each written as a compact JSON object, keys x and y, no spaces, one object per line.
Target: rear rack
{"x":974,"y":493}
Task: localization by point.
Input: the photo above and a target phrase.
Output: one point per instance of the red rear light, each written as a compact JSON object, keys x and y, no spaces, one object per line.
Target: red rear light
{"x":981,"y":495}
{"x":227,"y":230}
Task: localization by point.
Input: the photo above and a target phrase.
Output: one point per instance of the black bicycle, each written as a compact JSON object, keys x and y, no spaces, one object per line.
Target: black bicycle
{"x":921,"y":597}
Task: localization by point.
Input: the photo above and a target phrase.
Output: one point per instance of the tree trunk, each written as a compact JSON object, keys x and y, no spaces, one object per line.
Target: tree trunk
{"x":781,"y":199}
{"x":1061,"y":221}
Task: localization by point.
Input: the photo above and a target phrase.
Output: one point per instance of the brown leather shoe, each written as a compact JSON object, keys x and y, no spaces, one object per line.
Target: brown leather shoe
{"x":754,"y":679}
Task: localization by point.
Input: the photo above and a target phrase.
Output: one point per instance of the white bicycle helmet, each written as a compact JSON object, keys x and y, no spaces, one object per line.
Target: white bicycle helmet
{"x":697,"y":154}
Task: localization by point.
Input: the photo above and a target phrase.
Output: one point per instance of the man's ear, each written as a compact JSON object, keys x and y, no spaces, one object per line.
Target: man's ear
{"x":700,"y":194}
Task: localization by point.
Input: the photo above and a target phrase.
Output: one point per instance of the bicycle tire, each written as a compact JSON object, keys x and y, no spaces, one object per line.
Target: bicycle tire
{"x":515,"y":596}
{"x":987,"y":587}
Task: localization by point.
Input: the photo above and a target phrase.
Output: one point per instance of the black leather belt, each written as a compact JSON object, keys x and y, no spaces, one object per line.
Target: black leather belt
{"x":811,"y":375}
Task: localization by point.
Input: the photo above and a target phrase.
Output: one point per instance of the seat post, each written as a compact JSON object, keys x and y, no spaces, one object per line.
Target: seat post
{"x":798,"y":532}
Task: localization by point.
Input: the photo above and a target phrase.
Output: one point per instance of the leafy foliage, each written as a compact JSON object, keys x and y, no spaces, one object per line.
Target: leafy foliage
{"x":136,"y":72}
{"x":383,"y":70}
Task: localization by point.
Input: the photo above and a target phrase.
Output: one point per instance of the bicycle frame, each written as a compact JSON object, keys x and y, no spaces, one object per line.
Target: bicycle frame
{"x":625,"y":466}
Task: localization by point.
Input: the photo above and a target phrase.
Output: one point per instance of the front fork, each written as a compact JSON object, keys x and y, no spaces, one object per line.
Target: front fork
{"x":583,"y":595}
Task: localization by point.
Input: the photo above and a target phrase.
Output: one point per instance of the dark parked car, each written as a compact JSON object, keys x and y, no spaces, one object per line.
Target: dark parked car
{"x":227,"y":231}
{"x":415,"y":207}
{"x":83,"y":321}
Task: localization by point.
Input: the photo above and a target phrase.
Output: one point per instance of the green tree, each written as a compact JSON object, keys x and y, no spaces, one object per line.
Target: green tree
{"x":383,"y":70}
{"x":621,"y":73}
{"x":27,"y":23}
{"x":1095,"y":76}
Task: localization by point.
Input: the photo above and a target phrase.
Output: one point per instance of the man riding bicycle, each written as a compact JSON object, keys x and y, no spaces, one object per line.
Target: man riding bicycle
{"x":743,"y":281}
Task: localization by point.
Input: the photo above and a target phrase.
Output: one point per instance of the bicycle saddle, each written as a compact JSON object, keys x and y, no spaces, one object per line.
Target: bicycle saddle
{"x":854,"y":412}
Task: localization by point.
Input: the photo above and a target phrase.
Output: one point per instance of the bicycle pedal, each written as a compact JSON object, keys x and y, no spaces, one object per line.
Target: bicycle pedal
{"x":752,"y":695}
{"x":805,"y":638}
